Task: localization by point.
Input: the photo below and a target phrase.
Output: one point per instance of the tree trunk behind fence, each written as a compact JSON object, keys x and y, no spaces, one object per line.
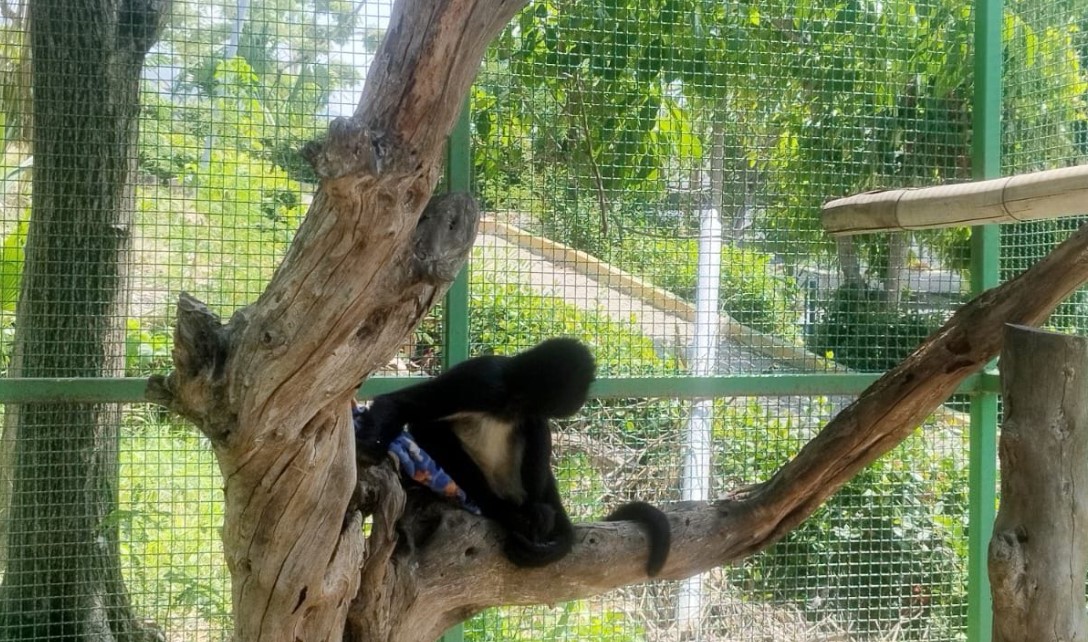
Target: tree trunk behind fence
{"x":1039,"y":550}
{"x":63,"y":579}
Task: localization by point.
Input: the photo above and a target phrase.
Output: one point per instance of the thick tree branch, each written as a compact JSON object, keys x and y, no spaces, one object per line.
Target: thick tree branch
{"x":271,"y":388}
{"x":195,"y":388}
{"x":461,"y":570}
{"x":292,"y":538}
{"x":431,"y":52}
{"x":380,"y":167}
{"x":1039,"y":550}
{"x":382,"y":496}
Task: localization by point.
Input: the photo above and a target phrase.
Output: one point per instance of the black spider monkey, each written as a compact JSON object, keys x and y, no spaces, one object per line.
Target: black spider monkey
{"x":485,"y":422}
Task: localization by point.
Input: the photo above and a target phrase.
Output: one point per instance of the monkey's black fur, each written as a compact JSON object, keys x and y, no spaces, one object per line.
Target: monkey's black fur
{"x":485,"y":422}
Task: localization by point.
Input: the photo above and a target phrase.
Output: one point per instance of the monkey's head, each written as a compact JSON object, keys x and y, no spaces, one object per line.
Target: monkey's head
{"x":553,"y":378}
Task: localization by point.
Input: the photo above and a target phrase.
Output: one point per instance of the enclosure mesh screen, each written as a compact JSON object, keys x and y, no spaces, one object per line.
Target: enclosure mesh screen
{"x":651,"y":174}
{"x":1045,"y":127}
{"x":674,"y":155}
{"x":623,"y":132}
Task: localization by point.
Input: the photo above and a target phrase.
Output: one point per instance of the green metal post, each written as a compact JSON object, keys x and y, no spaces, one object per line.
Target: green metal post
{"x":459,"y":178}
{"x":455,"y":320}
{"x":985,"y":273}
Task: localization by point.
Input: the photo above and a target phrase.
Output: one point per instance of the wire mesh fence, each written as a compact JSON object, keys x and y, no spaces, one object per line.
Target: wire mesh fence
{"x":651,"y":175}
{"x":1044,"y":130}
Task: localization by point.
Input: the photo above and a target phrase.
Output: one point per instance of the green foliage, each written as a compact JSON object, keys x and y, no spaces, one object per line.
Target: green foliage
{"x":754,"y":290}
{"x":862,"y":332}
{"x":1043,"y":89}
{"x":169,"y":146}
{"x":594,"y":106}
{"x":669,"y":263}
{"x":222,"y":237}
{"x":11,"y":264}
{"x":147,"y":350}
{"x":283,"y":152}
{"x":586,"y":116}
{"x":266,"y":98}
{"x":11,"y":278}
{"x":573,"y":621}
{"x":244,"y":191}
{"x":170,"y":489}
{"x":889,"y":547}
{"x":508,"y":318}
{"x":1024,"y":244}
{"x":758,"y":293}
{"x":270,"y":91}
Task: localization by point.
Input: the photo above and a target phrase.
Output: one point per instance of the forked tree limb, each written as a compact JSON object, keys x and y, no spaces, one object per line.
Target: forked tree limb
{"x":462,"y":570}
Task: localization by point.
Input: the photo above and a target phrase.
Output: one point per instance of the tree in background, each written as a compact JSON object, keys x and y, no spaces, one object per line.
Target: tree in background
{"x":63,"y":578}
{"x":255,"y":75}
{"x":15,"y":114}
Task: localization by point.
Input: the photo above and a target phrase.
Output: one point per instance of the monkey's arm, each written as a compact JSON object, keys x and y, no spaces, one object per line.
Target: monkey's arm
{"x":536,"y":459}
{"x":476,"y":385}
{"x":549,"y":380}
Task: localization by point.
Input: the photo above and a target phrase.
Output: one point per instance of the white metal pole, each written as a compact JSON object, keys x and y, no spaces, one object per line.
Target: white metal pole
{"x":695,"y":484}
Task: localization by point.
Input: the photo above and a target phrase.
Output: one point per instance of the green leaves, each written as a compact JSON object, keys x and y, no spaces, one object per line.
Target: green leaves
{"x":146,"y":350}
{"x":11,"y":264}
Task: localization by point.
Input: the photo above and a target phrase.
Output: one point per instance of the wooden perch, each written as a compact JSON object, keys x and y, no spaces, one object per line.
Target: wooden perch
{"x":1039,"y":551}
{"x":1027,"y":197}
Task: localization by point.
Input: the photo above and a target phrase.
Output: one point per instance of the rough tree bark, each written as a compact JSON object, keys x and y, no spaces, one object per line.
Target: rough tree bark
{"x":1039,"y":551}
{"x":63,"y":579}
{"x":271,"y":388}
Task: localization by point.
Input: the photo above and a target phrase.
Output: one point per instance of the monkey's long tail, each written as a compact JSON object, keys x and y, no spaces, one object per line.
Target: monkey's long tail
{"x":657,"y":527}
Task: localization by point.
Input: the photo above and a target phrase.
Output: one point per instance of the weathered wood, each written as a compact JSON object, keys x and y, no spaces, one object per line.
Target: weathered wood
{"x":1039,"y":551}
{"x":271,"y":389}
{"x":1026,"y":197}
{"x":201,"y":347}
{"x":292,"y":539}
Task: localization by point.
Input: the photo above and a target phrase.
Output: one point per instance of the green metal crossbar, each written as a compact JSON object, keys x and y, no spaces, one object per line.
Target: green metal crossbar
{"x":131,"y":389}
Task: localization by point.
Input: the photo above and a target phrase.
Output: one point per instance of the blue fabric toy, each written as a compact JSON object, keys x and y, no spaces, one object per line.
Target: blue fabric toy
{"x":417,"y":465}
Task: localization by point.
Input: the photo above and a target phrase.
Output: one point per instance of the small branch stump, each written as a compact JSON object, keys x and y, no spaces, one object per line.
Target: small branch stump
{"x":1039,"y":552}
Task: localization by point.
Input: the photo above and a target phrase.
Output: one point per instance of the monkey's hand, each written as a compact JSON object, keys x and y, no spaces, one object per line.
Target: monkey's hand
{"x":533,"y":538}
{"x":532,"y":525}
{"x":375,"y":429}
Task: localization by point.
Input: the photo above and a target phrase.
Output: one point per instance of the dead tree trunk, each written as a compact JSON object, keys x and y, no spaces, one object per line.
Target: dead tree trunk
{"x":1039,"y":550}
